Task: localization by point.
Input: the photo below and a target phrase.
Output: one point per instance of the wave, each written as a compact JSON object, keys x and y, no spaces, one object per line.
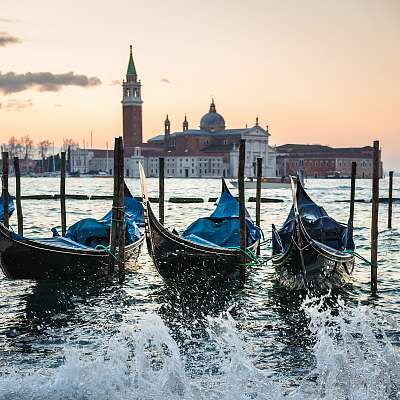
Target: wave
{"x":353,"y":358}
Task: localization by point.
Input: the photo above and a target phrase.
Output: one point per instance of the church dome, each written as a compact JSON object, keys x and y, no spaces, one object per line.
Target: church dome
{"x":212,"y":121}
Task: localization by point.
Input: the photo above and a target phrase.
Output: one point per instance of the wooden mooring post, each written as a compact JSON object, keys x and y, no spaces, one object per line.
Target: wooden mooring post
{"x":374,"y":221}
{"x":353,"y":190}
{"x":161,"y":193}
{"x":121,"y":213}
{"x":258,"y":196}
{"x":114,"y":215}
{"x":62,"y":195}
{"x":117,"y":232}
{"x":390,"y":205}
{"x":20,"y":216}
{"x":242,"y":209}
{"x":6,"y":216}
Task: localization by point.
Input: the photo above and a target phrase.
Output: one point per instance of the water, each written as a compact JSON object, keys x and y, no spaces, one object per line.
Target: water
{"x":147,"y":340}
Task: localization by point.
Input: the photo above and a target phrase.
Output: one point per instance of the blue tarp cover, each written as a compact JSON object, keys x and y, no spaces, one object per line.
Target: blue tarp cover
{"x":92,"y":232}
{"x":319,"y":225}
{"x":10,"y":207}
{"x":221,"y":228}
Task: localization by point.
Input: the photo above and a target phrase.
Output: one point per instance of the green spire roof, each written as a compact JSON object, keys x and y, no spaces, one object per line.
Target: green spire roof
{"x":131,"y":66}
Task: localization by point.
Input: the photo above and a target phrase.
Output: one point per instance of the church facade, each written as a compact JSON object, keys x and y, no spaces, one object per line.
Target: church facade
{"x":210,"y":151}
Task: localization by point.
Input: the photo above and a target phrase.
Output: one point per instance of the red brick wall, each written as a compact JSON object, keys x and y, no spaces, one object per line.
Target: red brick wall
{"x":132,"y":126}
{"x":190,"y":143}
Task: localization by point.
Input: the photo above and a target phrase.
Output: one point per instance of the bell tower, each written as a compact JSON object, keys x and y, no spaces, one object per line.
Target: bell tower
{"x":167,"y":133}
{"x":131,"y":109}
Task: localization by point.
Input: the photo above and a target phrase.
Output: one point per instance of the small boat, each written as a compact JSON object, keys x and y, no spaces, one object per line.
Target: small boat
{"x":208,"y":248}
{"x":82,"y":253}
{"x":312,"y":250}
{"x":266,"y":183}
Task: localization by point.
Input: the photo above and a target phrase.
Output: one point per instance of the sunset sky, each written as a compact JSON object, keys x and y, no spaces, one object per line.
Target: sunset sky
{"x":315,"y":71}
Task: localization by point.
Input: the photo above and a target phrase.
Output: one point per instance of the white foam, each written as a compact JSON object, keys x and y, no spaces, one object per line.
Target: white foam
{"x":353,"y":360}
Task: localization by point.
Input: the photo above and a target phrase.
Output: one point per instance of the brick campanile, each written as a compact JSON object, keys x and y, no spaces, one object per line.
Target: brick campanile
{"x":131,"y":109}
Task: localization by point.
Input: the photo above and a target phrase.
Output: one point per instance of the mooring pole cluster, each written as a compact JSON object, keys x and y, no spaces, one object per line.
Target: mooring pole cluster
{"x":117,"y":232}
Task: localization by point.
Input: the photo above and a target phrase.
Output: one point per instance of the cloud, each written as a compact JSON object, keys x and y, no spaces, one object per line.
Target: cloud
{"x":16,"y":104}
{"x":58,"y":105}
{"x":115,"y":82}
{"x":165,"y":80}
{"x":6,"y":39}
{"x":11,"y":82}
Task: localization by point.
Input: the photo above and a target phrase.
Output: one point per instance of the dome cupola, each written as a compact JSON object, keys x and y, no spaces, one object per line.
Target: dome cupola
{"x":212,"y":121}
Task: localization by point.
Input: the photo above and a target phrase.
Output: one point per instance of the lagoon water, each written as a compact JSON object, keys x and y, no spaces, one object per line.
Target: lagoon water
{"x":149,"y":340}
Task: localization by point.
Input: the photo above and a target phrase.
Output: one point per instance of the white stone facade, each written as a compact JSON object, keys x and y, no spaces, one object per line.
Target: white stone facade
{"x":188,"y":167}
{"x":95,"y":161}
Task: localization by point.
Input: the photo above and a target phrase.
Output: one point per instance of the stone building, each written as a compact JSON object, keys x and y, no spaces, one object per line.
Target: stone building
{"x":317,"y":161}
{"x":210,"y":151}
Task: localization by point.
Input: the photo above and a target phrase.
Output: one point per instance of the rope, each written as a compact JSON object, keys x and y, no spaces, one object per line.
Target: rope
{"x":254,"y":261}
{"x":357,"y":255}
{"x":107,"y":250}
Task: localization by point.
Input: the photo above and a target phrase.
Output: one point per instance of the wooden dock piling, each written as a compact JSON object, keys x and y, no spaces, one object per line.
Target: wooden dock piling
{"x":20,"y":216}
{"x":374,"y":221}
{"x":242,"y":208}
{"x":114,"y":214}
{"x":390,"y":205}
{"x":69,"y":166}
{"x":6,"y":215}
{"x":161,"y":190}
{"x":62,"y":196}
{"x":258,"y":196}
{"x":121,"y":213}
{"x":353,"y":190}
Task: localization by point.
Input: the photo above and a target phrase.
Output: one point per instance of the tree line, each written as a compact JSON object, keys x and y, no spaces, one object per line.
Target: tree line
{"x":24,"y":147}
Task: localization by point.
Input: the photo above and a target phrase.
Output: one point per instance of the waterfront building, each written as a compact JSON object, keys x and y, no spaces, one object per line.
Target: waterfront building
{"x":211,"y":151}
{"x":317,"y":161}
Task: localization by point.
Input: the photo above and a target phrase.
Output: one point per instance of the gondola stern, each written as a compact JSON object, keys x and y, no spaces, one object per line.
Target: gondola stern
{"x":143,"y":185}
{"x":127,"y":192}
{"x":225,"y":188}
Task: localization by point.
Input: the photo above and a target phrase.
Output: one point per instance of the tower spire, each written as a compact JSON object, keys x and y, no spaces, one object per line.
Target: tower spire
{"x":212,"y":106}
{"x":167,"y":133}
{"x":185,"y":124}
{"x":131,"y":75}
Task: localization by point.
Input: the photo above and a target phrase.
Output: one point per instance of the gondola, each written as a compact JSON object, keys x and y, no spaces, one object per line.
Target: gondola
{"x":208,"y":248}
{"x":312,"y":250}
{"x":81,"y":254}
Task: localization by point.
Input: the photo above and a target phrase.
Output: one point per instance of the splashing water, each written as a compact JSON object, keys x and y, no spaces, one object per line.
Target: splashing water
{"x":352,"y":359}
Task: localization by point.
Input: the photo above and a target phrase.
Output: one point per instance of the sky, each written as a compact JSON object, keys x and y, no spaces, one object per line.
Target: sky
{"x":315,"y":71}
